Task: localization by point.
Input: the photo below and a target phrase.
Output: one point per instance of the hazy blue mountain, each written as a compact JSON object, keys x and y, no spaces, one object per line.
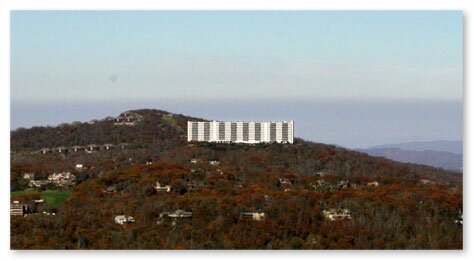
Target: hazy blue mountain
{"x":440,"y":159}
{"x":438,"y":145}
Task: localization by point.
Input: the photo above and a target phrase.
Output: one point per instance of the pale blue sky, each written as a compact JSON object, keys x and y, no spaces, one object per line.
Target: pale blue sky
{"x":354,"y":79}
{"x":107,"y":56}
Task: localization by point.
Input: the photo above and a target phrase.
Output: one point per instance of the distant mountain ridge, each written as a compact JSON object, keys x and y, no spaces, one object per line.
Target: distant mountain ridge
{"x":455,"y":147}
{"x":439,"y":159}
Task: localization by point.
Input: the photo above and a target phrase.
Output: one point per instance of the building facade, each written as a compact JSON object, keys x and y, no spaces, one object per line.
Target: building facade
{"x":241,"y":132}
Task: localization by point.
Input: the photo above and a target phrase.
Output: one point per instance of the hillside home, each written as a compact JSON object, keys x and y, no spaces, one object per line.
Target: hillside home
{"x":427,"y":182}
{"x":323,"y":185}
{"x":77,"y":148}
{"x":255,"y":215}
{"x":214,"y":162}
{"x":160,"y":188}
{"x":110,"y":189}
{"x":79,"y":167}
{"x":37,"y":183}
{"x":373,"y":184}
{"x":458,"y":220}
{"x":195,"y":161}
{"x":108,"y":146}
{"x":128,"y":119}
{"x":284,"y":182}
{"x":93,"y":121}
{"x":122,"y":219}
{"x":319,"y":173}
{"x":60,"y":149}
{"x":29,"y":176}
{"x":17,"y":209}
{"x":92,"y":148}
{"x":45,"y":150}
{"x":177,"y":214}
{"x":63,"y":179}
{"x":346,"y":184}
{"x":334,"y":214}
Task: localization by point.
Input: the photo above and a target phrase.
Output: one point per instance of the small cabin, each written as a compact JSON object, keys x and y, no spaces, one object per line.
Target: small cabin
{"x":61,"y":150}
{"x":18,"y":209}
{"x":284,"y":182}
{"x":160,"y":188}
{"x":255,"y":215}
{"x":335,"y":214}
{"x":122,"y":219}
{"x":214,"y":162}
{"x":77,"y":148}
{"x":45,"y":150}
{"x":79,"y":167}
{"x":373,"y":184}
{"x":177,"y":214}
{"x":92,"y":148}
{"x":108,"y":146}
{"x":29,"y":176}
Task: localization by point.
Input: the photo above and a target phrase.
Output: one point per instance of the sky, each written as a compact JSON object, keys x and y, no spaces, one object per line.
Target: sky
{"x":181,"y":59}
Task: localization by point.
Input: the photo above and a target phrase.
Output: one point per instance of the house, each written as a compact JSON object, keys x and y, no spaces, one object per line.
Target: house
{"x":45,"y":150}
{"x":63,"y":179}
{"x":37,"y":183}
{"x":427,"y":182}
{"x":458,"y":220}
{"x":159,"y":188}
{"x":61,"y":149}
{"x":214,"y":162}
{"x":147,"y":161}
{"x":60,"y":176}
{"x":122,"y":219}
{"x":284,"y":182}
{"x":110,"y":189}
{"x":79,"y":167}
{"x":374,"y":184}
{"x":108,"y":146}
{"x":323,"y":185}
{"x":319,"y":173}
{"x":17,"y":209}
{"x":177,"y":214}
{"x":92,"y":148}
{"x":335,"y":214}
{"x":255,"y":215}
{"x":93,"y":121}
{"x":29,"y":176}
{"x":128,"y":119}
{"x":195,"y":161}
{"x":77,"y":148}
{"x":345,"y":184}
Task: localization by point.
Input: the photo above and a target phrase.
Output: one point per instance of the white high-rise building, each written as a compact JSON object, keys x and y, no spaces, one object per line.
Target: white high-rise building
{"x":241,"y":132}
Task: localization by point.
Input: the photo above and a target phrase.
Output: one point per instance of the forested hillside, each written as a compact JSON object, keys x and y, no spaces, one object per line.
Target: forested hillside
{"x":391,"y":205}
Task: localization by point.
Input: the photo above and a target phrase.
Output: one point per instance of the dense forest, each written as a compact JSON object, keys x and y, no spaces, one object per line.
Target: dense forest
{"x":392,"y":205}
